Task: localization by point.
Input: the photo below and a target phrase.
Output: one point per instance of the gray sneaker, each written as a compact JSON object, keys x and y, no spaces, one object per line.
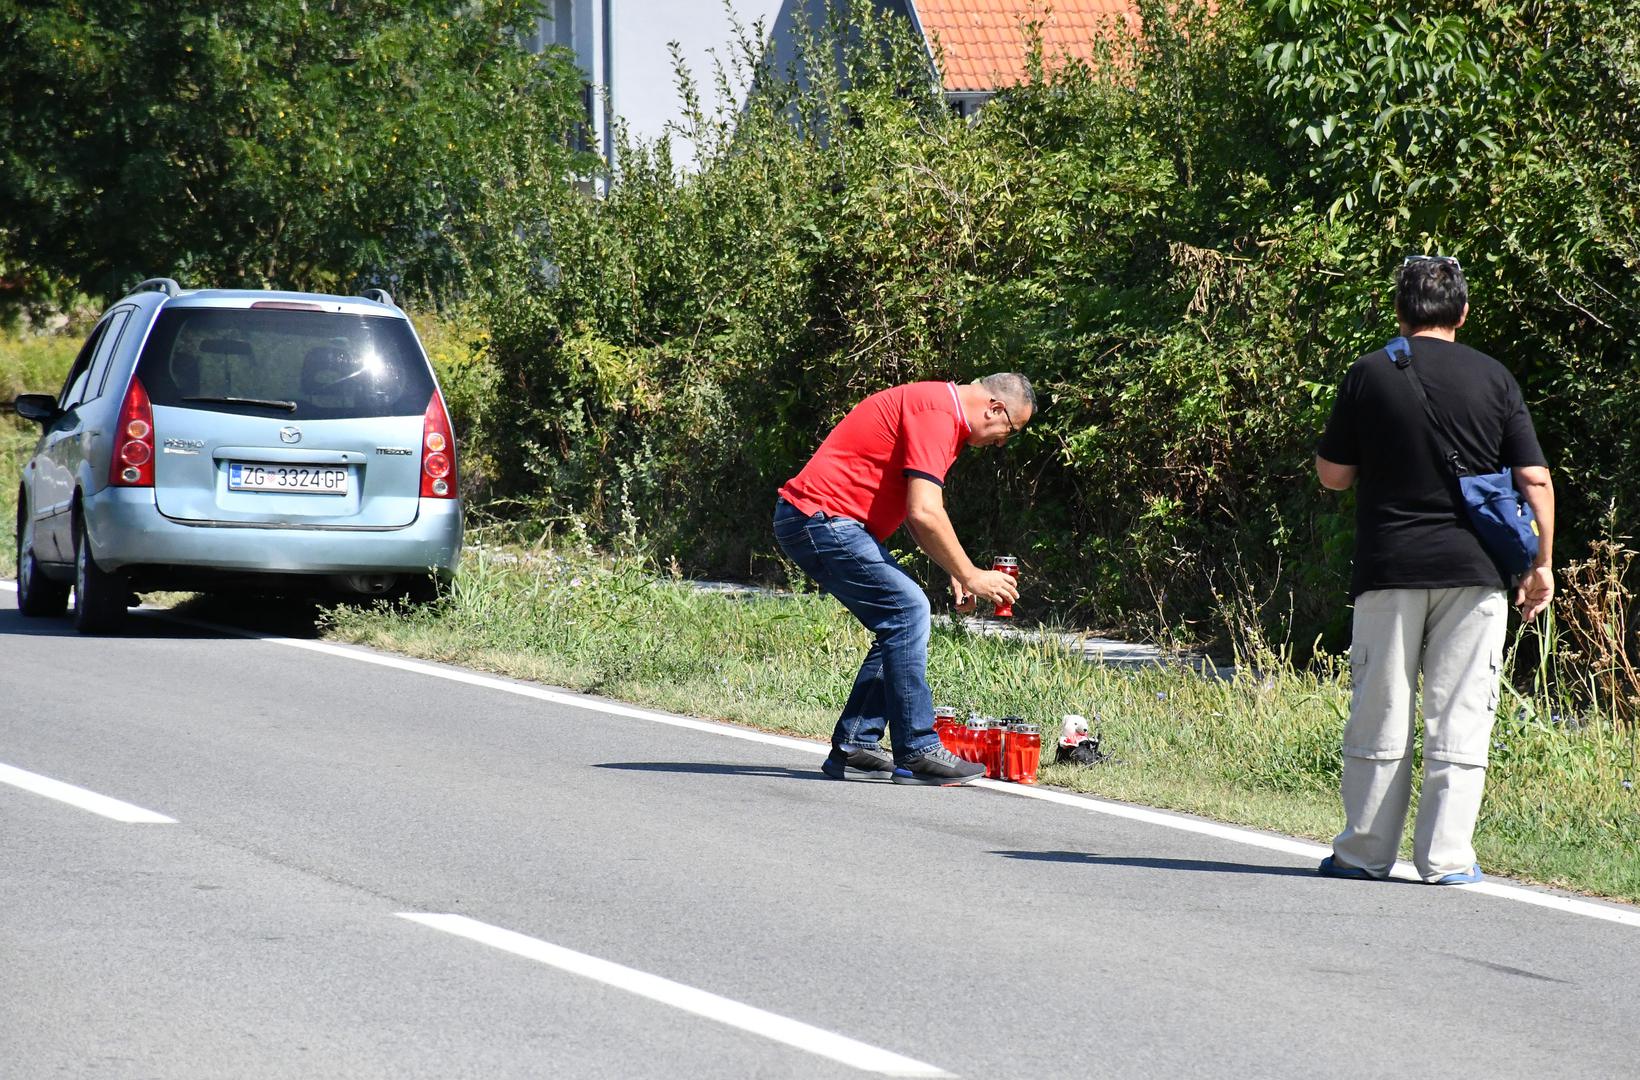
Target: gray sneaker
{"x":939,"y":767}
{"x":861,"y":764}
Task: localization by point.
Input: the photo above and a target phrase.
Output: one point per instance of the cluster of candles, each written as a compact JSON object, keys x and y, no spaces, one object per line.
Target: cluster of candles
{"x":1010,"y":748}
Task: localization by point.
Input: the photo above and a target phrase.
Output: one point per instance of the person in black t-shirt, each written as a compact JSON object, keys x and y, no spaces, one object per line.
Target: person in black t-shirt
{"x":1428,"y":598}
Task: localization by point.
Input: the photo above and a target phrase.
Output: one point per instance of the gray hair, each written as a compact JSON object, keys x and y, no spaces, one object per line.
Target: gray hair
{"x":1012,"y":388}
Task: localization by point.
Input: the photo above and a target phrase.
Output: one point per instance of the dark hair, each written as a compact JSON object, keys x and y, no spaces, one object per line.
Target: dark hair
{"x":1430,"y":292}
{"x":1011,"y":386}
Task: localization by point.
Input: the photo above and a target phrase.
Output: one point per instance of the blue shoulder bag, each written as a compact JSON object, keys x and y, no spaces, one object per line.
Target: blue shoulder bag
{"x":1504,"y":521}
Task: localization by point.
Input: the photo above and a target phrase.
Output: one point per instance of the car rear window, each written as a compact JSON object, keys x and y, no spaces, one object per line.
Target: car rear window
{"x":310,"y":365}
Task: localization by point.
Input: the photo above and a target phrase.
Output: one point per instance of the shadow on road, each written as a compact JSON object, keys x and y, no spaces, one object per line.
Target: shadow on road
{"x":13,"y":624}
{"x":1157,"y":864}
{"x":293,"y":617}
{"x":264,"y":615}
{"x":708,"y":769}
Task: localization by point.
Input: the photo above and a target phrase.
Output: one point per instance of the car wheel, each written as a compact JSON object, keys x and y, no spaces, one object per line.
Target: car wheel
{"x":37,"y":595}
{"x":99,"y":596}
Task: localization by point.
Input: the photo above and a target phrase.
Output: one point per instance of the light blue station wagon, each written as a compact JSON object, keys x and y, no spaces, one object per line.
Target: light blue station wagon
{"x":215,"y":439}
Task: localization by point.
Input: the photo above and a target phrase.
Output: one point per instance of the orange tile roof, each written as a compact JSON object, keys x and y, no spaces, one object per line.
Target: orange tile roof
{"x":984,"y":41}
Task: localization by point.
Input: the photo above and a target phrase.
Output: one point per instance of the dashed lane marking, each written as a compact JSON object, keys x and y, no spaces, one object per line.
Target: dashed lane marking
{"x":80,"y":797}
{"x":782,"y":1029}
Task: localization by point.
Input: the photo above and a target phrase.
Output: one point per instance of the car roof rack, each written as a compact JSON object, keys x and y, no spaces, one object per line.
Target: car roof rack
{"x":166,"y":285}
{"x":381,"y":296}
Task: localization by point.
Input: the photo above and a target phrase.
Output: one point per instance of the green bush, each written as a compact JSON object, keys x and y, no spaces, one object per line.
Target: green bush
{"x":1184,"y":243}
{"x":283,"y":143}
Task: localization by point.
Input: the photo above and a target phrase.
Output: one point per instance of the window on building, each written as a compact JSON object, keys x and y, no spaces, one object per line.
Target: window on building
{"x":563,"y":23}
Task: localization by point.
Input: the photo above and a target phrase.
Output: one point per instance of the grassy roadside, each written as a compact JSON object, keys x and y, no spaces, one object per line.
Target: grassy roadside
{"x":16,"y":444}
{"x":29,"y":364}
{"x":1256,"y":750}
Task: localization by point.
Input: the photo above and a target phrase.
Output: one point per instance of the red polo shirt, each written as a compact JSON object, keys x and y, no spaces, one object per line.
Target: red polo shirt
{"x":862,"y":469}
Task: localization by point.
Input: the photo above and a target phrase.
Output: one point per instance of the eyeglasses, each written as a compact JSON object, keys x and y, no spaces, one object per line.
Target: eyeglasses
{"x":1447,"y":259}
{"x":1012,"y":429}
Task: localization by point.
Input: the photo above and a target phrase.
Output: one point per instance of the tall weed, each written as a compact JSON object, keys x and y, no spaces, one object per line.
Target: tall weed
{"x":1597,"y":660}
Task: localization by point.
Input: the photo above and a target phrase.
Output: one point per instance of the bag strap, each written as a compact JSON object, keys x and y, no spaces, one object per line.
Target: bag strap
{"x":1400,"y":354}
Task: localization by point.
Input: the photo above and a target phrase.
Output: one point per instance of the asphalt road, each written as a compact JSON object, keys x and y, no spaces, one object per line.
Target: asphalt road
{"x":319,"y":800}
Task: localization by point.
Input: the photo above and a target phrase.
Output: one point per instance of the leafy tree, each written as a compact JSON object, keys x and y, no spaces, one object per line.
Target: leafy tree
{"x":1399,"y":102}
{"x":279,"y":143}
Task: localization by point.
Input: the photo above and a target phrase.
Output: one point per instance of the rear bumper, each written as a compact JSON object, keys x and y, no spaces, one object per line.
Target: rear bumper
{"x":127,"y":529}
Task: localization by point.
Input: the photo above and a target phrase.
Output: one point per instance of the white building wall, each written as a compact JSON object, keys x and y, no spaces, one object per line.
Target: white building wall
{"x":624,"y":48}
{"x":645,"y":91}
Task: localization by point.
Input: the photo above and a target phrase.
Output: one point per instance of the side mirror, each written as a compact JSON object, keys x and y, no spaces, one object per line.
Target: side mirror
{"x":41,"y":408}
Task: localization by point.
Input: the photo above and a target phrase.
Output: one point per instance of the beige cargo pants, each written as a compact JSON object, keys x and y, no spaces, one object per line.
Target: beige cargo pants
{"x":1455,"y":637}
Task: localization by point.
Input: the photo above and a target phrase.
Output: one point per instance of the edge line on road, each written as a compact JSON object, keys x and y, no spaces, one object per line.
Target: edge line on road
{"x":702,"y":1003}
{"x":1592,"y":909}
{"x":1235,"y":834}
{"x":103,"y":805}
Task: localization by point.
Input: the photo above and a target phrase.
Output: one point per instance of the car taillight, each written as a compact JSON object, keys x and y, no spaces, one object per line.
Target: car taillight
{"x":133,"y":463}
{"x":438,"y":453}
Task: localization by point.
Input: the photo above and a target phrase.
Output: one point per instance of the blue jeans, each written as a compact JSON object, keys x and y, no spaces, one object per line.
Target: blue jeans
{"x":891,"y":689}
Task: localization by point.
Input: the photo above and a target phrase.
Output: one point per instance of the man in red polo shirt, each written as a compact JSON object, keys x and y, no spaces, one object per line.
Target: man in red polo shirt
{"x":885,"y":464}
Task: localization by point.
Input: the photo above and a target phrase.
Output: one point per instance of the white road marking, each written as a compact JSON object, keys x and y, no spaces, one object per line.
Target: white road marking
{"x":80,"y":797}
{"x":507,"y":686}
{"x":1403,"y":871}
{"x":1591,"y":909}
{"x":1234,"y":834}
{"x":701,"y":1003}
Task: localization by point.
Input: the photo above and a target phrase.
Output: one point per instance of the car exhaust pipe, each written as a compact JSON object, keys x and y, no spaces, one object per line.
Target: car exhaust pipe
{"x":365,"y":584}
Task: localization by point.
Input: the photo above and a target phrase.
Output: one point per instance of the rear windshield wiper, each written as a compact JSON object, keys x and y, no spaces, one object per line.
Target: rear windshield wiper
{"x":266,"y":403}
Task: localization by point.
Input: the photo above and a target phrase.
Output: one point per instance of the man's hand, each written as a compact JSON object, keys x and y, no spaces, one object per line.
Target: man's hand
{"x":992,"y":585}
{"x":966,"y":593}
{"x":1537,"y":588}
{"x":1534,"y":592}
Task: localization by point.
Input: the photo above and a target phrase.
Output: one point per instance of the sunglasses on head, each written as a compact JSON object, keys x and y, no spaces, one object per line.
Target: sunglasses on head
{"x":1447,"y":259}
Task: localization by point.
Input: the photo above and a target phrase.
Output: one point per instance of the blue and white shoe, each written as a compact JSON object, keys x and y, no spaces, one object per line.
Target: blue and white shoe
{"x":1462,"y":877}
{"x":1331,"y":868}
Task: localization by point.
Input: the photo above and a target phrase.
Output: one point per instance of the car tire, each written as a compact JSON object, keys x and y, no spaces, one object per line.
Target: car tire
{"x":99,"y":596}
{"x":37,"y":595}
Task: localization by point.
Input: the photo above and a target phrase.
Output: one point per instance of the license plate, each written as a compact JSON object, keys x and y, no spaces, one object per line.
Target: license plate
{"x":296,"y":479}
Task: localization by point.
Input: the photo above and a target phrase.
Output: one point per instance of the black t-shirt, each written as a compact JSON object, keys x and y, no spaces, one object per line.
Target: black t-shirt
{"x":1410,"y":531}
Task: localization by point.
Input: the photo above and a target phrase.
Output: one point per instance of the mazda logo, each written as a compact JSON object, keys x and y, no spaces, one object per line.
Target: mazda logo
{"x":290,"y":434}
